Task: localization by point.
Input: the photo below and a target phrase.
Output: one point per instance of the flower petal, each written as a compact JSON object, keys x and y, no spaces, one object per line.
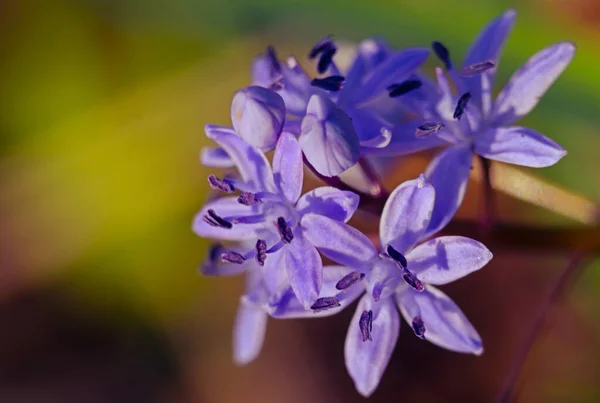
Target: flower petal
{"x":366,"y":360}
{"x":338,"y":241}
{"x":487,"y":46}
{"x":250,"y":161}
{"x":520,"y":146}
{"x":328,"y":138}
{"x":257,"y":115}
{"x":448,"y":172}
{"x":445,"y":324}
{"x":286,"y":305}
{"x":215,"y":157}
{"x":336,"y":204}
{"x":304,"y":268}
{"x":226,"y":207}
{"x":448,"y":258}
{"x":406,"y":214}
{"x":288,"y":167}
{"x":249,"y":331}
{"x":530,"y":82}
{"x":396,"y":68}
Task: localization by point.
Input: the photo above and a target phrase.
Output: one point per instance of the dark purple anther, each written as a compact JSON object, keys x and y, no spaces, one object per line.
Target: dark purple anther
{"x":428,"y":128}
{"x":397,"y":256}
{"x":366,"y":325}
{"x":477,"y":68}
{"x":396,"y":90}
{"x":284,"y":230}
{"x":418,"y":327}
{"x":377,"y":289}
{"x":277,"y":85}
{"x":222,"y":185}
{"x":232,"y":257}
{"x":461,"y":105}
{"x":442,"y":53}
{"x":272,"y":55}
{"x":349,"y":280}
{"x":326,"y":60}
{"x":261,"y":252}
{"x":325,"y":303}
{"x":322,"y":46}
{"x":331,"y":83}
{"x":412,"y":280}
{"x":248,"y":199}
{"x":214,"y":251}
{"x":213,"y":219}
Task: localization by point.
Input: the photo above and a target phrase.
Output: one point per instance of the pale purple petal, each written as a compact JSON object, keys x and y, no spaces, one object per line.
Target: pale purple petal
{"x":448,"y":258}
{"x":336,"y":204}
{"x":304,"y":268}
{"x":338,"y":241}
{"x":215,"y":157}
{"x":530,"y":82}
{"x":226,"y":207}
{"x":366,"y":361}
{"x":487,"y":47}
{"x":288,"y":168}
{"x":519,"y":146}
{"x":249,"y":331}
{"x":296,"y":87}
{"x":406,"y":214}
{"x":367,"y":124}
{"x":250,"y":161}
{"x":396,"y":68}
{"x":449,"y":174}
{"x":445,"y":324}
{"x":404,"y":141}
{"x":257,"y":115}
{"x":286,"y":305}
{"x":328,"y":138}
{"x":274,"y":275}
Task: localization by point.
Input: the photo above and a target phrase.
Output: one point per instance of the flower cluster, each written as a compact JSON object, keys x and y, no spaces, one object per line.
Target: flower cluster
{"x":346,"y":116}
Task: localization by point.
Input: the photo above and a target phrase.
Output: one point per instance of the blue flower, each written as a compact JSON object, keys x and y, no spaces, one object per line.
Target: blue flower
{"x":284,"y":228}
{"x":471,"y":123}
{"x":403,"y":275}
{"x":356,"y":111}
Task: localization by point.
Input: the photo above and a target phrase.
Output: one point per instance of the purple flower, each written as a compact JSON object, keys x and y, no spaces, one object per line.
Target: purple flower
{"x":284,"y":228}
{"x":403,"y":275}
{"x":345,"y":116}
{"x":472,"y":123}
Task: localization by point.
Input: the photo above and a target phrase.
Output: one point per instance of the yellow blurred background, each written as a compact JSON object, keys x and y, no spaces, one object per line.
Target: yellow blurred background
{"x":102,"y":108}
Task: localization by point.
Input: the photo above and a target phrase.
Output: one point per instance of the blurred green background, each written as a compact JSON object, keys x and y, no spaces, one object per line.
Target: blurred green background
{"x":102,"y":108}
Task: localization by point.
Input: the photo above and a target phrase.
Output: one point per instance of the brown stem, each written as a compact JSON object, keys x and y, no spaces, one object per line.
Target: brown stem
{"x":488,"y":206}
{"x":566,"y":279}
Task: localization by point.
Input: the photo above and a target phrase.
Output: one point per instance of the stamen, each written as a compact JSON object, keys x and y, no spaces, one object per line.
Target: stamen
{"x":366,"y":325}
{"x":272,"y":55}
{"x":232,"y":257}
{"x":412,"y":280}
{"x":261,"y":252}
{"x":331,"y":83}
{"x":284,"y":230}
{"x":428,"y":128}
{"x":322,"y":46}
{"x":418,"y":327}
{"x":249,"y":199}
{"x":325,"y":303}
{"x":396,"y":90}
{"x":222,"y":185}
{"x":377,"y":289}
{"x":349,"y":280}
{"x":442,"y":53}
{"x":213,"y":219}
{"x":326,"y":60}
{"x":477,"y":68}
{"x":461,"y":105}
{"x":397,"y":256}
{"x":213,"y":252}
{"x":277,"y":85}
